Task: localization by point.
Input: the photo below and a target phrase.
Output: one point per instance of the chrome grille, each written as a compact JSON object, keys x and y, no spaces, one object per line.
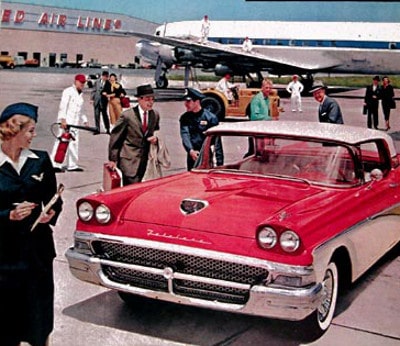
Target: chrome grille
{"x":182,"y":263}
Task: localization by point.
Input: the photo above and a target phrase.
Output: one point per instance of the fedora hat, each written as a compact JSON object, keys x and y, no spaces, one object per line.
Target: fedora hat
{"x":317,"y":85}
{"x":144,"y":90}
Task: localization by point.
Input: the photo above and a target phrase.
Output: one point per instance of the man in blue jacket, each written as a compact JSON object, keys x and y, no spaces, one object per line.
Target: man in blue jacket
{"x":193,"y":123}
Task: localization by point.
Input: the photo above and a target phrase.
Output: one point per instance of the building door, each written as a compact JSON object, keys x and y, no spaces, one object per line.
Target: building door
{"x":37,"y":56}
{"x":79,"y":59}
{"x":52,"y":59}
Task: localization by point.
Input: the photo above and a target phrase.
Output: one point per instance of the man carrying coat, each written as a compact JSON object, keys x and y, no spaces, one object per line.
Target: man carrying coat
{"x":132,"y":135}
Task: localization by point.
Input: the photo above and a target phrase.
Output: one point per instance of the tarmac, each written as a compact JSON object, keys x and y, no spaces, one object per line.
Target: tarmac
{"x":86,"y":314}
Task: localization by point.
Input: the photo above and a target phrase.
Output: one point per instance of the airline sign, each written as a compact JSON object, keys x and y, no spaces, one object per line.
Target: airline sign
{"x":59,"y":20}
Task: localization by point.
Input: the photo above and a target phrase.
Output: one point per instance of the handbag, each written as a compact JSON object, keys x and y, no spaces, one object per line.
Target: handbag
{"x":365,"y":110}
{"x":392,"y":104}
{"x":125,"y":102}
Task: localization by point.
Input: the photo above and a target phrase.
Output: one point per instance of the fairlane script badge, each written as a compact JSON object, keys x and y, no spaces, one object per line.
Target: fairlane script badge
{"x":150,"y":232}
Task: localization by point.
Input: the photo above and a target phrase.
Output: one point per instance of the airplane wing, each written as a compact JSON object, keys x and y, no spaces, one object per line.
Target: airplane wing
{"x":274,"y":61}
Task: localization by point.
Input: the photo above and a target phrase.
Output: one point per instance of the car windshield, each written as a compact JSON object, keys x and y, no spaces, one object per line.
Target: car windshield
{"x":315,"y":162}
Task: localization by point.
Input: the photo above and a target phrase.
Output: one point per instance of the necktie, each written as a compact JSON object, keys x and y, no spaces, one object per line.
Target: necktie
{"x":144,"y":124}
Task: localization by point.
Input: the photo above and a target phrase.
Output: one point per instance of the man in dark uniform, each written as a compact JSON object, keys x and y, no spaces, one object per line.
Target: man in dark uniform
{"x":193,"y":123}
{"x":329,"y":110}
{"x":371,"y":101}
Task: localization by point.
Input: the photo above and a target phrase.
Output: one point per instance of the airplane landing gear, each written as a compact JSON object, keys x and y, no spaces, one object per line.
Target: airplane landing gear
{"x":162,"y":82}
{"x":160,"y":78}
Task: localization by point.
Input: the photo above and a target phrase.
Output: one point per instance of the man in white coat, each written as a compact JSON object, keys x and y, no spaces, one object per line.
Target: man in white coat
{"x":294,"y":88}
{"x":70,"y":113}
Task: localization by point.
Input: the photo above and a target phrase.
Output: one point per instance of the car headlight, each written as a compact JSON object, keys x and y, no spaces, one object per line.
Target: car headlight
{"x":103,"y":214}
{"x":267,"y":238}
{"x":85,"y":211}
{"x":289,"y":241}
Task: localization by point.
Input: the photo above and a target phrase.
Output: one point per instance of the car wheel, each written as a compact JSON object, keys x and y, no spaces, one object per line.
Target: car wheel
{"x":214,"y":105}
{"x":319,"y":321}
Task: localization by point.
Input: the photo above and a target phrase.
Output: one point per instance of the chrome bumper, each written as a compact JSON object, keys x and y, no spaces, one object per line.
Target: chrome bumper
{"x":264,"y":299}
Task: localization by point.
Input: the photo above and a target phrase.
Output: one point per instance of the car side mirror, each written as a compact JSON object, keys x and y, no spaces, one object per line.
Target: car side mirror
{"x":376,"y":174}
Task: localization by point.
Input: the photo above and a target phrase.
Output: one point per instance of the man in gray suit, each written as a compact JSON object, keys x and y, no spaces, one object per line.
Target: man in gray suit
{"x":132,"y":135}
{"x":329,"y":110}
{"x":100,"y":103}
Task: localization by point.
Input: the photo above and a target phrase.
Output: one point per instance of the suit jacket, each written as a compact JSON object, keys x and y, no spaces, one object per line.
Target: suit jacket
{"x":329,"y":111}
{"x":96,"y":94}
{"x":128,"y":145}
{"x":372,"y":96}
{"x":36,"y":183}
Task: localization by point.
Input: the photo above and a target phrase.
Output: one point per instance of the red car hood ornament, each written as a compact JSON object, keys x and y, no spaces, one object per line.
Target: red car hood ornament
{"x":190,"y":206}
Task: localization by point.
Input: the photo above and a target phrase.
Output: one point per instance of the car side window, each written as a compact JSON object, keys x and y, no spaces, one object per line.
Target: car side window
{"x":372,"y":158}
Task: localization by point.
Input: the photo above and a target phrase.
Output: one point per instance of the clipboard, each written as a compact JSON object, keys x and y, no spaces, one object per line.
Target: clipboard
{"x":48,"y":206}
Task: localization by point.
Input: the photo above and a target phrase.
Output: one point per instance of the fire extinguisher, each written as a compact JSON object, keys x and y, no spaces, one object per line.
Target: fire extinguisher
{"x":62,"y":148}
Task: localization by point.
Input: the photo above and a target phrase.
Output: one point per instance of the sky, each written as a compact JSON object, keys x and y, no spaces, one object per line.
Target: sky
{"x":160,"y":11}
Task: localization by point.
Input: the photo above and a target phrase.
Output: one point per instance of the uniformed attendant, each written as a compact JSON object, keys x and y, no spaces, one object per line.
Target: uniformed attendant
{"x":193,"y":123}
{"x":27,"y":182}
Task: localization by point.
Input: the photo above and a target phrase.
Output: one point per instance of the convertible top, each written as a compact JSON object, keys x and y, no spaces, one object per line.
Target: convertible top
{"x":322,"y":131}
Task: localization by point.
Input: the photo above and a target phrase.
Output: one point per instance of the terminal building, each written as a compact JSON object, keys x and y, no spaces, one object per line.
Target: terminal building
{"x":57,"y":36}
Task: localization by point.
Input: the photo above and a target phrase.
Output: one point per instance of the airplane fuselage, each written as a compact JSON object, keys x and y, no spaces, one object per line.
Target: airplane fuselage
{"x":346,"y":47}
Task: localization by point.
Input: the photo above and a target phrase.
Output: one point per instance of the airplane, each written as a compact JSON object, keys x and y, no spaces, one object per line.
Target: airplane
{"x":280,"y":48}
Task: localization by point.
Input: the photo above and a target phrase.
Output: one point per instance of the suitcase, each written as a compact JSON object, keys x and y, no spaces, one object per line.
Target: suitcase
{"x":111,"y":179}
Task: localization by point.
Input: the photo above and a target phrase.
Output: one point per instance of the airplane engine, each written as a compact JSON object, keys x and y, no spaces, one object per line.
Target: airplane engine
{"x":184,"y":55}
{"x":152,"y":51}
{"x":222,"y":70}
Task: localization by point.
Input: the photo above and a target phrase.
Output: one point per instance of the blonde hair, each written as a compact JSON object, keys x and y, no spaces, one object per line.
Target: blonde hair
{"x":11,"y":127}
{"x":267,"y":80}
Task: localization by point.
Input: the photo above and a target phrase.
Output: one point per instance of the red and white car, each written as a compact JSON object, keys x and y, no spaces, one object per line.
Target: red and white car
{"x":297,"y":212}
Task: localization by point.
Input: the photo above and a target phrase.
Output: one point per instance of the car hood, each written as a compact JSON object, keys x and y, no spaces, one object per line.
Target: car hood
{"x":232,"y":205}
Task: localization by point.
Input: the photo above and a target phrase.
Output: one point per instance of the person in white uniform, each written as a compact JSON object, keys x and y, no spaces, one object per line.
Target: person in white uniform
{"x":70,"y":112}
{"x":225,"y":86}
{"x":294,"y":88}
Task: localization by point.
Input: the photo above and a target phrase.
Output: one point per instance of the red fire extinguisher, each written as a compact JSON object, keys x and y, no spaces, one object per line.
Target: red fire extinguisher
{"x":62,"y":148}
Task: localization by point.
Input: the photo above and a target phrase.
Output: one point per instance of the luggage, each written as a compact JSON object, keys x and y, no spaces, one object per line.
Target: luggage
{"x":111,"y":178}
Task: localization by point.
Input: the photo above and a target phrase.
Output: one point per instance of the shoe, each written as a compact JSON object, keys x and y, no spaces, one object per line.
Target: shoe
{"x":59,"y":170}
{"x":108,"y":132}
{"x":77,"y":169}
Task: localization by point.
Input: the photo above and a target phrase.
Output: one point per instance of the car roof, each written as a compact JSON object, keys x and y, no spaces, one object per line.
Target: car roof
{"x":351,"y":135}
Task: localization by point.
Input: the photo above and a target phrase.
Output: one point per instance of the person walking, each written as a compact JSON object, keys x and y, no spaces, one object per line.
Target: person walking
{"x":132,"y":135}
{"x":193,"y":123}
{"x":295,"y":88}
{"x":70,"y":112}
{"x":388,"y":102}
{"x":329,"y":110}
{"x":114,"y":91}
{"x":27,"y":251}
{"x":371,"y":102}
{"x":100,"y":102}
